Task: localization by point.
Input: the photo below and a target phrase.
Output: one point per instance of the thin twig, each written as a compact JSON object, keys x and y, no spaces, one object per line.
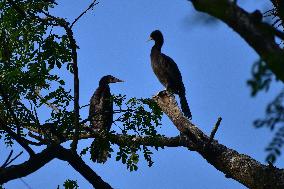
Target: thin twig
{"x":26,"y":184}
{"x":52,"y":106}
{"x":214,"y":130}
{"x":18,"y":138}
{"x":13,"y":159}
{"x":90,"y":7}
{"x":7,"y":160}
{"x":84,"y":106}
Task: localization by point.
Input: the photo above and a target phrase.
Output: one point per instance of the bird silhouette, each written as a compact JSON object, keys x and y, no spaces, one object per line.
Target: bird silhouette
{"x":167,"y":71}
{"x":101,"y":117}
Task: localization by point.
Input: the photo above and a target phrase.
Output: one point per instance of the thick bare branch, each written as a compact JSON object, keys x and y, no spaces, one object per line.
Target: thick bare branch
{"x":240,"y":167}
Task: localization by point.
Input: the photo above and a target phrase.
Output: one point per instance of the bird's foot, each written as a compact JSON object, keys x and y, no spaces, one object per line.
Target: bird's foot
{"x":163,"y":92}
{"x":166,"y":92}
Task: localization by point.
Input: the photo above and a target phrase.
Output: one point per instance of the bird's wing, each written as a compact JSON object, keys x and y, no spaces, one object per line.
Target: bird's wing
{"x":96,"y":101}
{"x":172,"y":70}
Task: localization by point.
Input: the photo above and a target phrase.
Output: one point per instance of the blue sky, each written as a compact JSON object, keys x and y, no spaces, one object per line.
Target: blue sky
{"x":215,"y":64}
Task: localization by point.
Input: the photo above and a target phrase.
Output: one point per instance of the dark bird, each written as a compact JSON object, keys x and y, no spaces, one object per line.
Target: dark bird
{"x":101,"y":117}
{"x":167,"y":71}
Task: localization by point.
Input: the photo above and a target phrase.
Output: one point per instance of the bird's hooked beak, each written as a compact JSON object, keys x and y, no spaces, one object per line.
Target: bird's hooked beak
{"x":116,"y":80}
{"x":150,"y":38}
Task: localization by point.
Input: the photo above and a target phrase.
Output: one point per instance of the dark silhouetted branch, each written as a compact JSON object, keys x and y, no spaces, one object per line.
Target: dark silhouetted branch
{"x":52,"y":106}
{"x":90,"y":7}
{"x":33,"y":164}
{"x":79,"y":165}
{"x":39,"y":160}
{"x":214,"y":130}
{"x":259,"y":35}
{"x":9,"y":160}
{"x":16,"y":137}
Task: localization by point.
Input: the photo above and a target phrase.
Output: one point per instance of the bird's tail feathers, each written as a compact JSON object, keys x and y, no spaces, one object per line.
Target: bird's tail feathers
{"x":184,"y":106}
{"x":100,"y":150}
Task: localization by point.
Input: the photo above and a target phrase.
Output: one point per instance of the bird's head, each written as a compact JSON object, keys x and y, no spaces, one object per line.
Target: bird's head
{"x":157,"y":36}
{"x":109,"y":79}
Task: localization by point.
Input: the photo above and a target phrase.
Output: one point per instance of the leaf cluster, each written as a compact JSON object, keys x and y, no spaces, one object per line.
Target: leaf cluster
{"x":69,"y":184}
{"x":138,"y":117}
{"x":261,"y":77}
{"x":29,"y":52}
{"x":274,"y":119}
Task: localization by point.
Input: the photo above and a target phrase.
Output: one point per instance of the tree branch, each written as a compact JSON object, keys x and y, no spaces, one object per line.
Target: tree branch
{"x":259,"y":35}
{"x":240,"y":167}
{"x":79,"y":165}
{"x":214,"y":130}
{"x":52,"y":106}
{"x":9,"y":160}
{"x":16,"y":137}
{"x":33,"y":164}
{"x":153,"y":141}
{"x":39,"y":160}
{"x":122,"y":140}
{"x":73,"y":46}
{"x":64,"y":24}
{"x":90,"y":7}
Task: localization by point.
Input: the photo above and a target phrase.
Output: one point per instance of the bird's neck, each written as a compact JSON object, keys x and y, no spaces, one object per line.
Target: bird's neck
{"x":156,"y":49}
{"x":103,"y":84}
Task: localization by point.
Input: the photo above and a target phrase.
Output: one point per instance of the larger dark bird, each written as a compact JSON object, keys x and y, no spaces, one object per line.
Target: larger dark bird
{"x":101,"y":117}
{"x":167,"y":71}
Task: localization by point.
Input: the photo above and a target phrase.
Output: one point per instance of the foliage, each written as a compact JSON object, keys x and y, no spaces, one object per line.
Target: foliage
{"x":274,"y":148}
{"x":136,"y":117}
{"x":274,"y":113}
{"x":261,"y":77}
{"x":70,"y":184}
{"x":274,"y":119}
{"x":138,"y":120}
{"x":29,"y":52}
{"x":139,"y":117}
{"x":33,"y":52}
{"x":277,"y":13}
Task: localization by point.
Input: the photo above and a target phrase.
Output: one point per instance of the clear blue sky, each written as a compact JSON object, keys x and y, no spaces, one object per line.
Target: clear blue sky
{"x":215,"y":64}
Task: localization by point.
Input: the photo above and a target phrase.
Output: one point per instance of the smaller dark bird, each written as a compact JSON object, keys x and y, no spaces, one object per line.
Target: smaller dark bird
{"x":101,"y":116}
{"x":167,"y":71}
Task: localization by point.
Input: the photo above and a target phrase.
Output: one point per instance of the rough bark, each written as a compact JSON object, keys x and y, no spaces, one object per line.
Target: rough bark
{"x":239,"y":167}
